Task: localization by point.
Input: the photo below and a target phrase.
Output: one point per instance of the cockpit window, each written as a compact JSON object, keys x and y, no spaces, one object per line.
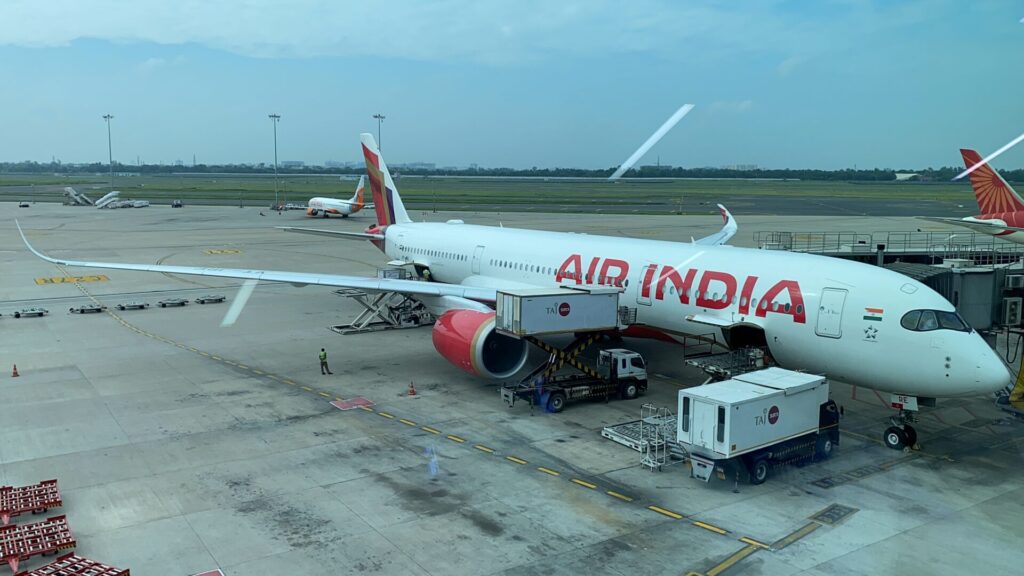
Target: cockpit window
{"x":928,"y":320}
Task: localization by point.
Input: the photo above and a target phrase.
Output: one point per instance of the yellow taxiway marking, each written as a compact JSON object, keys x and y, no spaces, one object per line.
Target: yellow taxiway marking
{"x":752,"y":542}
{"x":455,"y":439}
{"x":366,"y":408}
{"x":255,"y":371}
{"x":732,"y":560}
{"x":386,"y":415}
{"x":548,"y":471}
{"x":215,"y":357}
{"x":483,"y":448}
{"x":221,"y":251}
{"x":71,"y":279}
{"x":665,"y":512}
{"x":429,"y":429}
{"x":712,"y":528}
{"x":307,"y":388}
{"x":584,"y":483}
{"x":240,"y":365}
{"x":406,"y":422}
{"x":201,"y":353}
{"x":324,"y":394}
{"x":286,"y":381}
{"x":787,"y":540}
{"x":230,"y":362}
{"x":516,"y":460}
{"x":622,"y":497}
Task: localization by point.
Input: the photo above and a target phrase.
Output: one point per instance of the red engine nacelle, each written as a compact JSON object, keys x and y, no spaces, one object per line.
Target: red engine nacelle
{"x":467,"y":339}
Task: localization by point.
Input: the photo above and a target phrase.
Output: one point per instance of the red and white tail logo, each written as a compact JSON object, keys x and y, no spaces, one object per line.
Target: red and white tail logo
{"x":993,"y":193}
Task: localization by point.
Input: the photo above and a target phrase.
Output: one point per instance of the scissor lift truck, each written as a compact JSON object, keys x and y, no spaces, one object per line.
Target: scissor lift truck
{"x":620,"y":374}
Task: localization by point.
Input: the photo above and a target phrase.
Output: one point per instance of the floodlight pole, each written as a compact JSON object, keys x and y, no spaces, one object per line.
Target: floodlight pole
{"x":380,"y":118}
{"x":110,"y":150}
{"x":275,"y":118}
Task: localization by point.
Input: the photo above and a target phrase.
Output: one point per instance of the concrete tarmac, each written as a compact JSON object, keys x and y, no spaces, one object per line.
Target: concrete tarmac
{"x":181,"y":446}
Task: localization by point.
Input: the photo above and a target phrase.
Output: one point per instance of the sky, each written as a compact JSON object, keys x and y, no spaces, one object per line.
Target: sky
{"x":782,"y":84}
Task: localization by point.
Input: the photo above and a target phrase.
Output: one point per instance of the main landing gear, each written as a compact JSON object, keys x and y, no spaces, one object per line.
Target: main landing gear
{"x":901,"y":434}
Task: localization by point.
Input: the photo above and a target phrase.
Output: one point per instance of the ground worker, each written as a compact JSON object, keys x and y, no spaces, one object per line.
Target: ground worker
{"x":323,"y":362}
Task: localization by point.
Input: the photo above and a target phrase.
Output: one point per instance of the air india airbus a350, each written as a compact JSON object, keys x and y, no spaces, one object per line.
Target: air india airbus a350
{"x":850,"y":321}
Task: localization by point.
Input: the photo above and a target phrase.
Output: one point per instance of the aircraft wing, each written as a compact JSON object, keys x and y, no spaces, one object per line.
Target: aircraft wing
{"x":413,"y":287}
{"x":334,"y":233}
{"x":722,"y":236}
{"x":993,"y":227}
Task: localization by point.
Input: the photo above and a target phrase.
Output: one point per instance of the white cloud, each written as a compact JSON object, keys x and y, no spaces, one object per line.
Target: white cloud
{"x":491,"y":32}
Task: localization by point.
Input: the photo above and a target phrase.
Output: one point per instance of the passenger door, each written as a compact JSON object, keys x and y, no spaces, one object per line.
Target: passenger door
{"x":477,"y":255}
{"x":830,"y":313}
{"x":647,"y":278}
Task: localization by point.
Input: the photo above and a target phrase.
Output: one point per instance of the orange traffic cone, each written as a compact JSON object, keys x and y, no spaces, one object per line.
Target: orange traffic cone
{"x":412,"y":390}
{"x":15,"y":374}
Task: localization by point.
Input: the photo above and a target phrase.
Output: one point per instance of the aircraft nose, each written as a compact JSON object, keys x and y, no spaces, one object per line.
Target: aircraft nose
{"x":991,"y":374}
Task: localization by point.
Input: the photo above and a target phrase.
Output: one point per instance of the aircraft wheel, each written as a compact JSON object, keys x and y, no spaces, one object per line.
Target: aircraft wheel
{"x":556,"y":402}
{"x":17,"y":314}
{"x":895,"y":438}
{"x":911,"y":435}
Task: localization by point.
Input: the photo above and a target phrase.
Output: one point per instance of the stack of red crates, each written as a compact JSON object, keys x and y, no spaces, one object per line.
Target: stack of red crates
{"x":74,"y":565}
{"x":36,"y":498}
{"x":22,"y":542}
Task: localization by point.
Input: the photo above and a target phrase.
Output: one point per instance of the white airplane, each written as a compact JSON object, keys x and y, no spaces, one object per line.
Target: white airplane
{"x":854,"y":322}
{"x":344,"y":208}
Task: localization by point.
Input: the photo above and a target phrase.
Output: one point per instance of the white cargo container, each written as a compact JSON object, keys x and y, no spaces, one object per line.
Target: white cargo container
{"x":757,"y":419}
{"x":534,"y":311}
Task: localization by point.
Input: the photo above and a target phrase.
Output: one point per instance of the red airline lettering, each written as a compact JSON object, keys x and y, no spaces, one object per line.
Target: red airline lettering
{"x":705,"y":297}
{"x":796,"y":301}
{"x":682,"y":286}
{"x":572,"y":273}
{"x":746,"y":294}
{"x":623,"y":270}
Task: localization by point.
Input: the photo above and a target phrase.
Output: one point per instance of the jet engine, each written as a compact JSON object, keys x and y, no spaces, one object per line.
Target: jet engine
{"x":467,"y":339}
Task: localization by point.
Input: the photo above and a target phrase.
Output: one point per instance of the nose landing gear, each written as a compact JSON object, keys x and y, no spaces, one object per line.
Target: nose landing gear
{"x":901,"y":434}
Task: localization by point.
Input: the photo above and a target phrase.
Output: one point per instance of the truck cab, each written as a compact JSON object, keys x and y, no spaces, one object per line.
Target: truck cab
{"x":618,"y":365}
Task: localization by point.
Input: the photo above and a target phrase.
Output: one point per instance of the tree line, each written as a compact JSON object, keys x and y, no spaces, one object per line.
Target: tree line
{"x":945,"y":173}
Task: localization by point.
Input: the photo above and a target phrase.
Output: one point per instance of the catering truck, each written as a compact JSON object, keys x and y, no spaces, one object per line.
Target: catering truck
{"x":745,"y":426}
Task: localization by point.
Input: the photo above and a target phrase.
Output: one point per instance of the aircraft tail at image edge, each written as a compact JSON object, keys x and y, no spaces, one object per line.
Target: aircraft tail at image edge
{"x":386,"y":201}
{"x":993,"y":193}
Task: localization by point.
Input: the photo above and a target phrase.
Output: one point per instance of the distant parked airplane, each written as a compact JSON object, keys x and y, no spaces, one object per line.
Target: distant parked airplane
{"x":1002,"y":209}
{"x":327,"y":206}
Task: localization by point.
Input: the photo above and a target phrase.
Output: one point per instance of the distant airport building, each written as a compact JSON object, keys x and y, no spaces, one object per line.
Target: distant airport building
{"x":739,"y":167}
{"x":292,"y":163}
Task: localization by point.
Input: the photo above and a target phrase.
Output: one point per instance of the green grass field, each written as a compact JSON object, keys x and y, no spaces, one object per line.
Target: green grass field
{"x":453,"y":192}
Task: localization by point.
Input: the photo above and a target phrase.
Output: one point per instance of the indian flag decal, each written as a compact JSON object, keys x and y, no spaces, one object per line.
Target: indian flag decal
{"x":873,"y":314}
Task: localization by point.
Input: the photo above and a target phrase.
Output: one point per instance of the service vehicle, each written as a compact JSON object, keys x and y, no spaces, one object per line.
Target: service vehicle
{"x":210,"y":299}
{"x":87,"y":309}
{"x":756,"y":421}
{"x":620,"y":374}
{"x":176,"y":204}
{"x":133,"y":305}
{"x":23,"y":204}
{"x":31,"y":312}
{"x":172,"y":302}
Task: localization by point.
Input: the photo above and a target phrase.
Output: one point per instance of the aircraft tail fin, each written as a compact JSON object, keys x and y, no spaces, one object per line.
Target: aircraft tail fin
{"x":386,"y":201}
{"x":993,"y":193}
{"x":357,"y":198}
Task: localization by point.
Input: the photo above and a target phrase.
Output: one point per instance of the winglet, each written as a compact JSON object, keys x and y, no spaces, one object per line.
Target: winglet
{"x":728,"y":230}
{"x":33,"y":250}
